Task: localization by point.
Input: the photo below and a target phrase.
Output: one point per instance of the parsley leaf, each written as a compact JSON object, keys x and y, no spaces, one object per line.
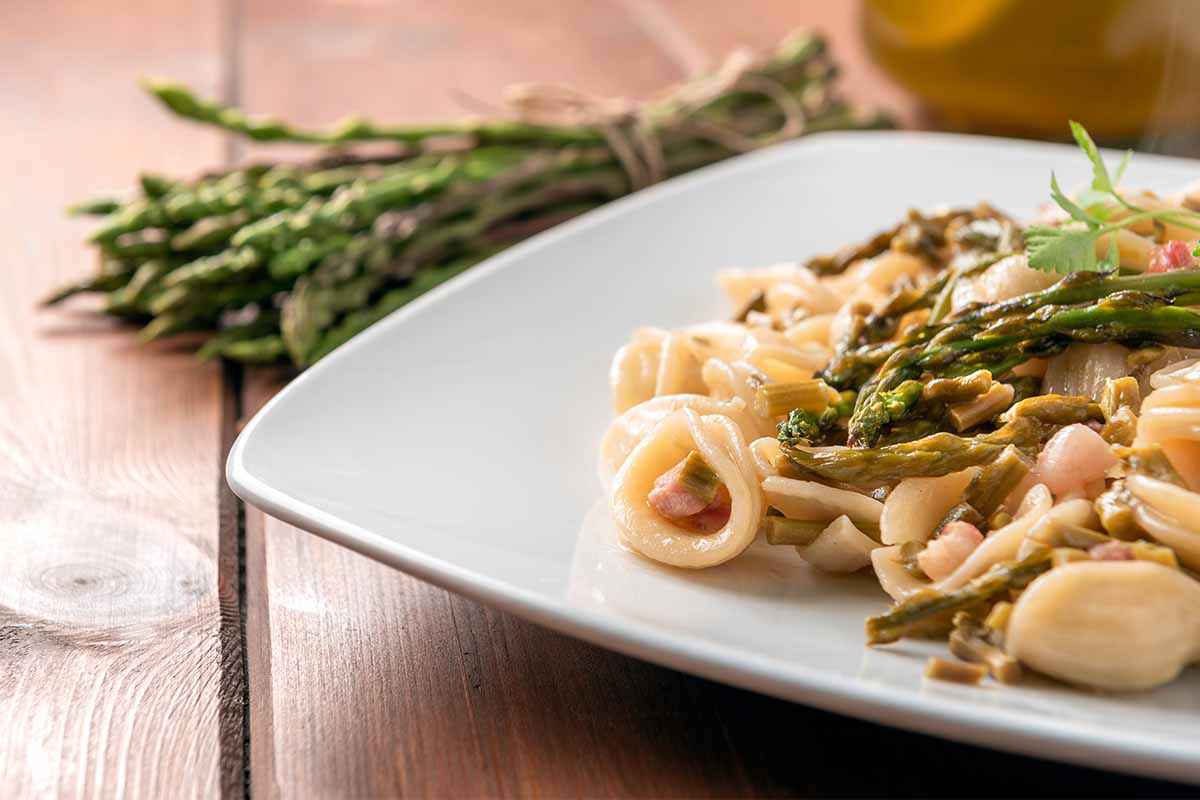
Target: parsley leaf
{"x":1065,"y":203}
{"x":1101,"y":182}
{"x":1072,"y":248}
{"x":1063,"y":250}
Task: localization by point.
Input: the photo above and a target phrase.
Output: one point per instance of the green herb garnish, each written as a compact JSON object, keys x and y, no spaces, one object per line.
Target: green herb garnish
{"x":1073,"y":248}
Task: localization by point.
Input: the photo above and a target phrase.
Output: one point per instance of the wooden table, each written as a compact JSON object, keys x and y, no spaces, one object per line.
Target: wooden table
{"x":157,"y":639}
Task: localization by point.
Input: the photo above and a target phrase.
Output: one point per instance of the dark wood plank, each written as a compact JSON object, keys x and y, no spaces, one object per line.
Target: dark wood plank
{"x":119,"y":652}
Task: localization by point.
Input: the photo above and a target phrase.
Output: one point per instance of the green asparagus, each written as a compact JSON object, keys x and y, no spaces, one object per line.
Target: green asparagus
{"x":937,"y":454}
{"x":313,"y":252}
{"x":930,"y":612}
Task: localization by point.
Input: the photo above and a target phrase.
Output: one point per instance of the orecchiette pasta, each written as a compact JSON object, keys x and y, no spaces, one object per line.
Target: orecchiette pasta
{"x":634,"y":372}
{"x":1076,"y":511}
{"x":724,"y":341}
{"x":1170,"y":418}
{"x":737,"y":380}
{"x":678,"y":367}
{"x":882,"y":272}
{"x":814,"y":329}
{"x":810,"y":292}
{"x":894,"y":579}
{"x":1169,"y":514}
{"x":720,"y":443}
{"x":841,"y":547}
{"x":627,"y":430}
{"x":765,"y":452}
{"x":924,"y":403}
{"x":809,"y":500}
{"x":1007,"y":278}
{"x":915,"y":507}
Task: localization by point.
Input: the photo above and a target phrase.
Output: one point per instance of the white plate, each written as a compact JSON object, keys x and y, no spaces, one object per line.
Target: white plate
{"x":457,"y":442}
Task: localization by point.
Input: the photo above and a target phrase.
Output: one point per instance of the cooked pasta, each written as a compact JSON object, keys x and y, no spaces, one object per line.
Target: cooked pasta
{"x":937,"y":405}
{"x":1170,"y":419}
{"x":634,"y":373}
{"x":627,"y":430}
{"x":673,"y":541}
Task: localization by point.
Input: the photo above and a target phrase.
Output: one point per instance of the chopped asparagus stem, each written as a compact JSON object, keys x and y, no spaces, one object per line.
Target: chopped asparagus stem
{"x":973,"y":412}
{"x":931,"y":456}
{"x":803,"y":532}
{"x":1005,"y":334}
{"x":970,"y":641}
{"x":1121,"y":427}
{"x":1054,"y":409}
{"x":996,"y":481}
{"x":777,"y":399}
{"x":1118,"y":393}
{"x":1114,"y":507}
{"x":1150,"y":461}
{"x":942,"y":669}
{"x":698,"y":479}
{"x":800,"y":533}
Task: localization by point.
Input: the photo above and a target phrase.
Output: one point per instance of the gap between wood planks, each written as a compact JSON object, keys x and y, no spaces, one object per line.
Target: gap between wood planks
{"x":231,"y":566}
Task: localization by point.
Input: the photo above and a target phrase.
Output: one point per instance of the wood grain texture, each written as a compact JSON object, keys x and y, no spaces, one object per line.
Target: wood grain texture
{"x":366,"y":682}
{"x":119,"y":669}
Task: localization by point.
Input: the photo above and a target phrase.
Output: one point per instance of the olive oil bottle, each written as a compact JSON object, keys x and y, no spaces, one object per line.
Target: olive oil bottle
{"x":1127,"y":69}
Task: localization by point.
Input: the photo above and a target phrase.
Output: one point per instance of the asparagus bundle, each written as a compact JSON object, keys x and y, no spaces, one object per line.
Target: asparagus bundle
{"x":290,"y":260}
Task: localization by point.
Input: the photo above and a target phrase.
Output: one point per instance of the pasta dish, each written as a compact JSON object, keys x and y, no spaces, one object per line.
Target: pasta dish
{"x":1000,"y":420}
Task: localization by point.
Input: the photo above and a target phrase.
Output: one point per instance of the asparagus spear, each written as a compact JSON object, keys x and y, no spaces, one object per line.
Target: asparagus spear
{"x":930,"y":456}
{"x":930,"y":612}
{"x":1127,"y":315}
{"x":1074,"y":289}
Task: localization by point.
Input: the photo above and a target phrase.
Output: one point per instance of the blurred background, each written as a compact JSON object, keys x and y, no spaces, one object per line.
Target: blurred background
{"x":1129,"y":69}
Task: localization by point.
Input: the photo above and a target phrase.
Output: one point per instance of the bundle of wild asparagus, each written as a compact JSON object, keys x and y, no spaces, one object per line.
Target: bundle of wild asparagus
{"x":287,"y":261}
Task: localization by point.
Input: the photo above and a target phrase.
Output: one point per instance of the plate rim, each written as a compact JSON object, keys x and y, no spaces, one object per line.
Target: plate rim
{"x":987,"y":726}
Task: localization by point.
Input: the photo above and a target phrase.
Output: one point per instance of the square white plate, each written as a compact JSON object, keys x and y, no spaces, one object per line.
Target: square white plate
{"x":457,"y":441}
